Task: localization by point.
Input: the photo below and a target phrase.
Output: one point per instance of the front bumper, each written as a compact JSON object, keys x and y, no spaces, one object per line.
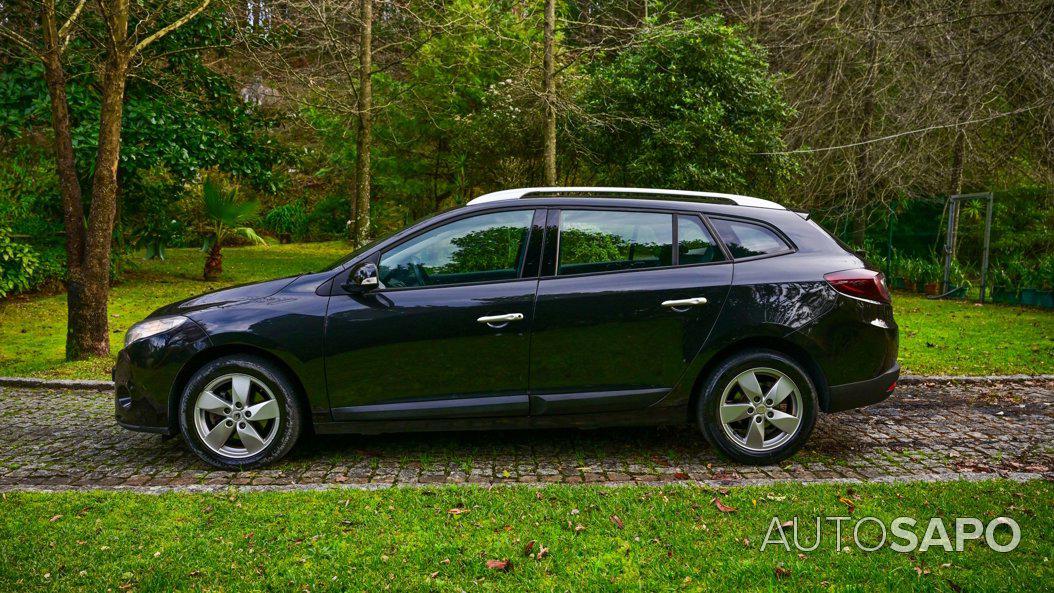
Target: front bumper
{"x":863,"y":393}
{"x":145,"y":373}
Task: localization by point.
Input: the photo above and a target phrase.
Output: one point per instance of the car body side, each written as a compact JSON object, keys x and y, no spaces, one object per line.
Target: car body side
{"x":778,"y":301}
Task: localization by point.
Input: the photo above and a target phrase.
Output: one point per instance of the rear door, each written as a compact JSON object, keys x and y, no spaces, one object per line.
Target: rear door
{"x":627,"y":299}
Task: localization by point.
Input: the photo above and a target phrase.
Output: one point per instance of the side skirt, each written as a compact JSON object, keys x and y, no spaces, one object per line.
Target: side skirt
{"x":648,"y":417}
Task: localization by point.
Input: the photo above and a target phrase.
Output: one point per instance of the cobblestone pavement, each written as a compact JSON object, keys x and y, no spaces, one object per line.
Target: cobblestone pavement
{"x":58,"y":439}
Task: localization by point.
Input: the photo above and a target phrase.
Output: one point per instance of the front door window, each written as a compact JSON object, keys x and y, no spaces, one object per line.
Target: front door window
{"x":484,"y":248}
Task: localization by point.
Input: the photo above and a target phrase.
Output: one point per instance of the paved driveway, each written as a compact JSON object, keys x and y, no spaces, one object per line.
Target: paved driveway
{"x":67,"y":439}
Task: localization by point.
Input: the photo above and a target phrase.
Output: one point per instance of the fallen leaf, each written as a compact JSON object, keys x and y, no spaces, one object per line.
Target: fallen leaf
{"x":848,"y":503}
{"x":542,"y":553}
{"x":55,"y":518}
{"x":501,"y":565}
{"x":746,"y":541}
{"x":445,"y":561}
{"x":787,"y":523}
{"x":680,"y":476}
{"x":527,"y":549}
{"x":723,"y":507}
{"x":457,"y":511}
{"x":580,"y":528}
{"x":433,"y":575}
{"x":782,"y":572}
{"x":618,"y":522}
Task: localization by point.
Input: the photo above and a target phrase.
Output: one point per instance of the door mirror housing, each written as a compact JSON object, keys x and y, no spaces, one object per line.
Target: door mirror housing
{"x":362,"y":279}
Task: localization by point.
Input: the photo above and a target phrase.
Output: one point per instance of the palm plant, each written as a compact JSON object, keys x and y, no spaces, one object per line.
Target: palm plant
{"x":226,"y":213}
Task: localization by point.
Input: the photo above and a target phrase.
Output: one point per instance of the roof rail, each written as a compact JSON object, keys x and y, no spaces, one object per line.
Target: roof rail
{"x":540,"y":192}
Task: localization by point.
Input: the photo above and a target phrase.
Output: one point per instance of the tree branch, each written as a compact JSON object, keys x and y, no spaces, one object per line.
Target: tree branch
{"x":170,"y":27}
{"x":22,"y":41}
{"x":64,"y":30}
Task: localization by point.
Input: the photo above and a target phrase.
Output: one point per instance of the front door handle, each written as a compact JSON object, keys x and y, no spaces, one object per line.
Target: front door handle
{"x":495,"y":319}
{"x":679,"y":303}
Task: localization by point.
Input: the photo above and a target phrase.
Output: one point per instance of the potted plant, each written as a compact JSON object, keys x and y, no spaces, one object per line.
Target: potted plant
{"x":1003,"y":290}
{"x":930,"y":274}
{"x":1030,"y":286}
{"x":905,"y":273}
{"x":1045,"y":294}
{"x":959,"y":283}
{"x":225,"y":212}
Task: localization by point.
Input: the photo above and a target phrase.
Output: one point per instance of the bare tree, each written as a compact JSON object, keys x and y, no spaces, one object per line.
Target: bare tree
{"x":906,"y":99}
{"x":364,"y":140}
{"x":549,"y":92}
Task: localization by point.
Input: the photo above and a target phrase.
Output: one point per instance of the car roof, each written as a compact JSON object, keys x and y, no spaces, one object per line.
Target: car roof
{"x":625,"y":192}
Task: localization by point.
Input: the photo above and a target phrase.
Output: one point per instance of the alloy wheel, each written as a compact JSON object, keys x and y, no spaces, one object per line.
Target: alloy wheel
{"x":761,"y":409}
{"x":236,"y":415}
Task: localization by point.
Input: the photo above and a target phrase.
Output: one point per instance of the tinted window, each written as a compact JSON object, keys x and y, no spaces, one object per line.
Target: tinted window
{"x":694,"y":245}
{"x":482,"y":248}
{"x":599,"y":241}
{"x":748,"y":240}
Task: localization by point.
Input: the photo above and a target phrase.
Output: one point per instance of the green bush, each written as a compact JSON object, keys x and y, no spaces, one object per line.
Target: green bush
{"x":288,"y":221}
{"x":18,"y":263}
{"x":329,"y":218}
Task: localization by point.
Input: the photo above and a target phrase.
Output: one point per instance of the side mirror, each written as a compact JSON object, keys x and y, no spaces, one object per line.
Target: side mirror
{"x":362,"y":279}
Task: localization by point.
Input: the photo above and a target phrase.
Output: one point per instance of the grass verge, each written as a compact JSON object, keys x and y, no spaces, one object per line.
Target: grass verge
{"x":937,"y":337}
{"x":595,"y":539}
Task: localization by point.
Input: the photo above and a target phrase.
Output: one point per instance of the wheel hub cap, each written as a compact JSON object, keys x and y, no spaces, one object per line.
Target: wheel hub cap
{"x":761,"y":409}
{"x":236,"y":415}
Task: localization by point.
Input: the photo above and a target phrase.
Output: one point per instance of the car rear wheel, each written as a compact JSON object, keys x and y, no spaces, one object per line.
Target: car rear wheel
{"x":239,"y":412}
{"x":758,"y":407}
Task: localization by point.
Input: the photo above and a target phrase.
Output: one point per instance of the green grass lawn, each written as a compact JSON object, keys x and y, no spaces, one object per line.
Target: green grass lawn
{"x":408,"y":539}
{"x":949,"y":337}
{"x":33,"y":329}
{"x":937,"y":337}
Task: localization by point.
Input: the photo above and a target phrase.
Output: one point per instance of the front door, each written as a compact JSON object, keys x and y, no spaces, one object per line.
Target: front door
{"x":628,"y":302}
{"x":447,"y":332}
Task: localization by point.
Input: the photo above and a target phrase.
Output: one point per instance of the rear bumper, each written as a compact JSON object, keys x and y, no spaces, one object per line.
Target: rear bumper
{"x":863,"y":393}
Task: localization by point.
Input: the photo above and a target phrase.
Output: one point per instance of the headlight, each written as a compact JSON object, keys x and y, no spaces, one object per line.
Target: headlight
{"x":152,"y":327}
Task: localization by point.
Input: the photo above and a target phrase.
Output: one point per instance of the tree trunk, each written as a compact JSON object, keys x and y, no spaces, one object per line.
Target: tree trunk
{"x":214,"y":262}
{"x":955,"y":182}
{"x":864,"y":176}
{"x":549,"y":90}
{"x":88,"y":314}
{"x":66,"y":168}
{"x":364,"y":140}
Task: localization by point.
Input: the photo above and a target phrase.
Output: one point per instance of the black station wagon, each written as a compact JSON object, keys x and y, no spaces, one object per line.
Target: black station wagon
{"x":547,"y":307}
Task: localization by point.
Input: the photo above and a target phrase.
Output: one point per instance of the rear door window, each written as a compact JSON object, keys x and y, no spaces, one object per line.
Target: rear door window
{"x":606,"y":241}
{"x":746,"y":239}
{"x":694,"y":244}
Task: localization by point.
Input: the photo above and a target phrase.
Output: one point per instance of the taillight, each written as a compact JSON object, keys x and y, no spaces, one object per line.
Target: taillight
{"x":861,"y":284}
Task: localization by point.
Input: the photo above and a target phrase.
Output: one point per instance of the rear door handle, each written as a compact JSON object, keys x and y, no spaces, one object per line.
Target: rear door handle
{"x":494,"y":319}
{"x":679,"y":303}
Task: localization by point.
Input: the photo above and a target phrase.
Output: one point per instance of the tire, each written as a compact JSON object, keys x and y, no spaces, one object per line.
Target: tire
{"x":252,"y":382}
{"x":784,"y":426}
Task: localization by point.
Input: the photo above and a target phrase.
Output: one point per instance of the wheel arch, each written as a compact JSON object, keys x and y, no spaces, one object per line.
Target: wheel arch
{"x":781,"y":345}
{"x":208,"y":355}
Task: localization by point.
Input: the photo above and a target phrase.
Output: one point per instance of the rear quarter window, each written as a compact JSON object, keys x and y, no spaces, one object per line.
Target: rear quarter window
{"x":746,"y":239}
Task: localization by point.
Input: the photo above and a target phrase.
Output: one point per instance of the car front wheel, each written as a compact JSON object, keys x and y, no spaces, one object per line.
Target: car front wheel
{"x":239,"y":412}
{"x":758,"y":407}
